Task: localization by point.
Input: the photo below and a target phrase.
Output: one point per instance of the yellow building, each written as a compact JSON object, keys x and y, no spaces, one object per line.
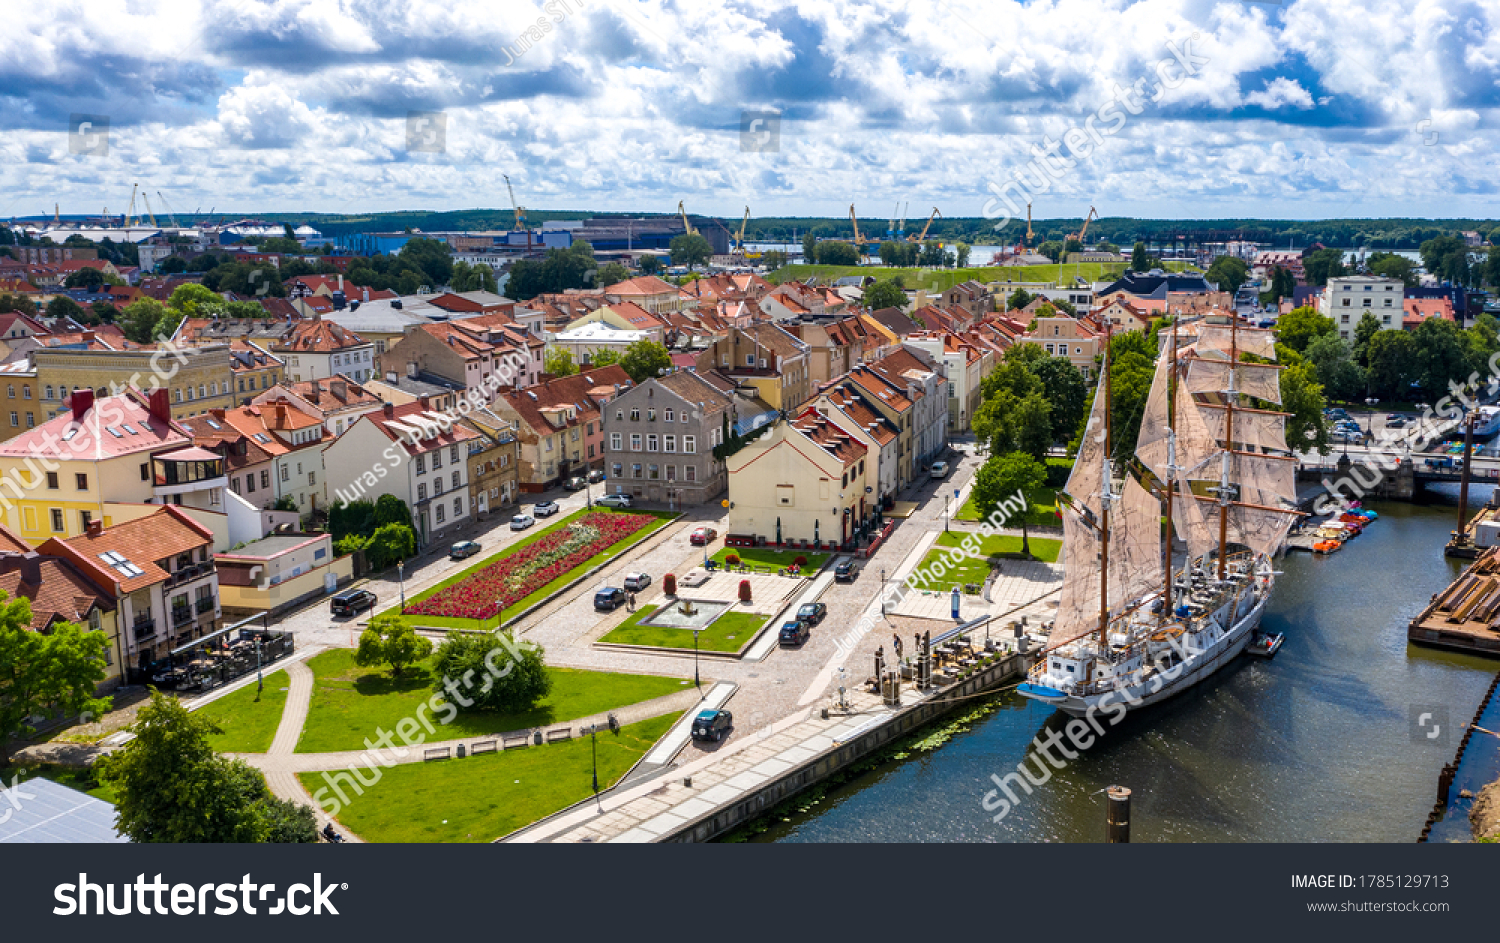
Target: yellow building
{"x":60,"y":477}
{"x":197,"y":378}
{"x":23,"y":406}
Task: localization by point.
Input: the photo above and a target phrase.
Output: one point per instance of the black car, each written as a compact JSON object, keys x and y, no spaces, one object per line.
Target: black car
{"x":795,"y":632}
{"x":812,"y":613}
{"x":609,"y":599}
{"x":712,"y":725}
{"x":463,"y":550}
{"x":575,"y":484}
{"x":596,"y":476}
{"x":352,"y":602}
{"x":845,"y":572}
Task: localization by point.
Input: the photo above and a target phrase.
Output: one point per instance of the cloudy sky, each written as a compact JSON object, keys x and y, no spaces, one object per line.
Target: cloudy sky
{"x":1307,"y":108}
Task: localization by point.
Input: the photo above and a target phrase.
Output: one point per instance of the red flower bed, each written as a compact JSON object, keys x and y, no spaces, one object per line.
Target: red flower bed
{"x":522,"y":573}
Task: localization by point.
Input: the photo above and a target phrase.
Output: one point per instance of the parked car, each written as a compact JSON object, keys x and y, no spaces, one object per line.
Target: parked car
{"x":795,"y":632}
{"x":609,"y":599}
{"x":636,"y":582}
{"x":703,"y":536}
{"x":545,"y":509}
{"x":812,"y":613}
{"x":596,"y":476}
{"x":575,"y":484}
{"x":1396,"y":423}
{"x":521,"y":521}
{"x":352,"y":602}
{"x":712,"y":725}
{"x":614,"y":501}
{"x":939,"y":470}
{"x":845,"y":572}
{"x":463,"y":550}
{"x":1390,"y":416}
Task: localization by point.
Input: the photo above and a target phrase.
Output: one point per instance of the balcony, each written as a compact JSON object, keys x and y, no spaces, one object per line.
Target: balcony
{"x":206,"y":604}
{"x":181,"y":615}
{"x":144,"y":625}
{"x":189,"y":573}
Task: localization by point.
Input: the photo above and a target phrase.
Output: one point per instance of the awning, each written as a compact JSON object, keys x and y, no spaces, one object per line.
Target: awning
{"x":228,"y":628}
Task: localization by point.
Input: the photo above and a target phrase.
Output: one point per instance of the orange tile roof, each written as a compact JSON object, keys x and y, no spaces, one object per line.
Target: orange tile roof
{"x":143,"y":541}
{"x":56,"y":590}
{"x":317,"y":336}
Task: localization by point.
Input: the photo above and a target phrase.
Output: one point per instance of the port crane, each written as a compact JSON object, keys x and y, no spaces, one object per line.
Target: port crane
{"x":168,"y":207}
{"x":1084,"y":231}
{"x":923,"y":238}
{"x":739,"y":239}
{"x":520,"y":212}
{"x":901,"y":223}
{"x":859,"y":240}
{"x":687,"y":227}
{"x":130,"y":213}
{"x":149,"y":213}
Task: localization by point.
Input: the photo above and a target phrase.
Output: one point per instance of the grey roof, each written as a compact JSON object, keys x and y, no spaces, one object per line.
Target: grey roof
{"x":272,"y":545}
{"x":377,"y":317}
{"x":424,"y":384}
{"x":46,"y":812}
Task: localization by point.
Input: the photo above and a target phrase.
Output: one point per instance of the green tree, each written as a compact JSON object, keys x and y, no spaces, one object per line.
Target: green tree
{"x":1065,"y":389}
{"x":1302,"y":397}
{"x":837,"y":252}
{"x":141,"y":318}
{"x":390,"y":509}
{"x":357,"y":517}
{"x":64,"y":307}
{"x":611,"y":274}
{"x":43,"y":672}
{"x":191,"y":299}
{"x":1368,"y":327}
{"x":1140,"y":259}
{"x":1052,"y":249}
{"x":644,"y":359}
{"x":961,"y":255}
{"x":559,"y":362}
{"x":390,"y":544}
{"x":433,"y":257}
{"x":476,"y":277}
{"x":172,"y":786}
{"x":1018,"y":299}
{"x":88,"y":278}
{"x":604,"y":357}
{"x":1032,"y":422}
{"x":1447,"y":257}
{"x":898,"y":253}
{"x":650,"y":264}
{"x":691,"y":249}
{"x":1440,"y":355}
{"x":1298,"y":327}
{"x":773,"y":259}
{"x":523,"y":680}
{"x":1001,"y":478}
{"x":388,"y":640}
{"x":1333,"y":360}
{"x":1322,"y":264}
{"x":884,"y":294}
{"x":1228,"y":272}
{"x":809,"y":247}
{"x":1391,"y":265}
{"x":172,"y":265}
{"x":1392,"y":361}
{"x":1491,"y":268}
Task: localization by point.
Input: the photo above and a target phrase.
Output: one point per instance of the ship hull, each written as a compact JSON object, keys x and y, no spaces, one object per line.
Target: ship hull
{"x":1155,"y":689}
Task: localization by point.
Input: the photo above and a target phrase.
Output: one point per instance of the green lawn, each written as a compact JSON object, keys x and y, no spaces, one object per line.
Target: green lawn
{"x":762,"y":556}
{"x":249,"y":726}
{"x":480,"y":798}
{"x":1043,"y":548}
{"x":445,"y":622}
{"x":82,"y":779}
{"x":1042,"y":513}
{"x":942,"y":280}
{"x":727,"y":633}
{"x":968,"y":570}
{"x":349,"y":703}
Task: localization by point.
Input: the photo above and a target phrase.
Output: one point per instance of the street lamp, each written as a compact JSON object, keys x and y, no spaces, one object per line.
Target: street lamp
{"x":401,"y":580}
{"x":260,"y":681}
{"x":945,"y":513}
{"x":696,"y":679}
{"x":1370,"y":402}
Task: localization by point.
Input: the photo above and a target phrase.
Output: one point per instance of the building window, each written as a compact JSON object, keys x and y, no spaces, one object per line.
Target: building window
{"x":437,"y":459}
{"x":15,"y":418}
{"x":52,"y":481}
{"x":286,"y":474}
{"x":635,"y":415}
{"x":548,"y":440}
{"x":458,"y":507}
{"x":619,"y":471}
{"x":668,"y":416}
{"x":421,"y":464}
{"x":635,"y":442}
{"x":671,"y":472}
{"x":619,"y":415}
{"x":234,"y":485}
{"x":145,"y":471}
{"x":265,"y":478}
{"x":635,"y":470}
{"x":11,"y":391}
{"x":422,"y":491}
{"x":84,"y":519}
{"x":616,"y":441}
{"x":690,"y":444}
{"x":441,"y":513}
{"x":26,"y":391}
{"x":437,"y":486}
{"x":690,"y":472}
{"x":591,"y":450}
{"x":49,"y":391}
{"x":653,"y":472}
{"x":81,"y":481}
{"x":455,"y":479}
{"x":57,"y":520}
{"x":453,"y":454}
{"x":650,"y":415}
{"x":651,"y":442}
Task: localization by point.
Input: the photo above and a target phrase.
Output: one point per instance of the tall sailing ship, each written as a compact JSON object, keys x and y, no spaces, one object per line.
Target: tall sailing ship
{"x":1131,"y":628}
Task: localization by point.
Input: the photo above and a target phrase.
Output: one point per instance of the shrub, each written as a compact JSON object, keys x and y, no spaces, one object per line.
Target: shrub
{"x":732,"y":559}
{"x":389,"y":544}
{"x":390,"y":641}
{"x":669,"y":584}
{"x":800,"y":560}
{"x":744,"y":590}
{"x":518,"y":680}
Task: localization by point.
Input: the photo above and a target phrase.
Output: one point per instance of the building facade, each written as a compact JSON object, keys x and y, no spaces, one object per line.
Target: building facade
{"x":660,"y":438}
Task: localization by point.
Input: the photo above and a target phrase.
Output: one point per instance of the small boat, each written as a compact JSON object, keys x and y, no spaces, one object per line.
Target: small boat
{"x":1326,"y":546}
{"x":1265,"y":644}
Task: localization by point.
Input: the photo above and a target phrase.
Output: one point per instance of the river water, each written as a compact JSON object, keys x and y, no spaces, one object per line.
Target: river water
{"x":1317,"y":744}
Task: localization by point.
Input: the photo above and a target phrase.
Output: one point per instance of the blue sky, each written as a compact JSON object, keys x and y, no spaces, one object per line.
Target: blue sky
{"x":1312,"y":108}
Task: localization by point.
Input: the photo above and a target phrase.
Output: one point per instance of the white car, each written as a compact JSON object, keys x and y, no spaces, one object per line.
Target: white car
{"x":939,"y":470}
{"x":521,"y":521}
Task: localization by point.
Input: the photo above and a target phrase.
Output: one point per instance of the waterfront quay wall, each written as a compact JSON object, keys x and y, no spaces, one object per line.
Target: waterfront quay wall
{"x":1446,"y":776}
{"x":819,"y":767}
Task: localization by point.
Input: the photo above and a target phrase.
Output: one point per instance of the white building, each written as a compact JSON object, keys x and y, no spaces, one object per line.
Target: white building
{"x":1346,"y":300}
{"x":320,"y":350}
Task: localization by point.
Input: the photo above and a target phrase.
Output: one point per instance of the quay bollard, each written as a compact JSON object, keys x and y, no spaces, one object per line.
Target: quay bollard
{"x":1118,"y":815}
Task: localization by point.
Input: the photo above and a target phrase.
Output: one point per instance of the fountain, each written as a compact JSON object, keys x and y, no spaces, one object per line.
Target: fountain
{"x":687,"y":614}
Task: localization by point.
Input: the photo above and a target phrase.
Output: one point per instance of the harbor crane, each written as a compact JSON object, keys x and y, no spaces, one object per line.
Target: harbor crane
{"x":687,"y":227}
{"x":923,"y":238}
{"x":901,"y":223}
{"x":890,"y":230}
{"x":739,"y":239}
{"x":859,"y":240}
{"x":1084,"y":231}
{"x":130,"y":213}
{"x":520,"y":211}
{"x":168,"y":207}
{"x":1025,"y":243}
{"x":149,"y":213}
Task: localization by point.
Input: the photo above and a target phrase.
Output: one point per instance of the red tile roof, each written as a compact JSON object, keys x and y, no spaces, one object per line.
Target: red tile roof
{"x":92,"y":441}
{"x":414,"y":416}
{"x":143,"y":541}
{"x":57,"y":591}
{"x":317,"y":336}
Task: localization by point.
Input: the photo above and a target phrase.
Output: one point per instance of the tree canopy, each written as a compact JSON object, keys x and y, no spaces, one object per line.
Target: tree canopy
{"x":645,"y":359}
{"x":690,"y":249}
{"x":523,"y":679}
{"x":388,"y":640}
{"x":1298,"y":327}
{"x":884,"y":294}
{"x":1001,"y":478}
{"x":42,"y":672}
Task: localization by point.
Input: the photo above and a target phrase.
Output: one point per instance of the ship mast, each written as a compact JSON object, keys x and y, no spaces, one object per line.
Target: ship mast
{"x":1166,"y":569}
{"x":1231,"y":395}
{"x":1106,"y":495}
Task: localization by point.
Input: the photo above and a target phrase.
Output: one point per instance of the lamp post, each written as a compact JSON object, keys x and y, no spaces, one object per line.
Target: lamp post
{"x":594,"y":759}
{"x":697,"y":681}
{"x":260,"y":681}
{"x":401,"y":580}
{"x":588,"y":492}
{"x":946,"y":501}
{"x":1370,"y":402}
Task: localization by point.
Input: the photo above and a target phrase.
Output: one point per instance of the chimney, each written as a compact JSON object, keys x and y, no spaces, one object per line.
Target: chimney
{"x":341,"y":283}
{"x":81,"y":402}
{"x":96,"y":528}
{"x":339,"y":388}
{"x":88,"y":337}
{"x":390,"y":410}
{"x":365,"y":294}
{"x":411,"y":369}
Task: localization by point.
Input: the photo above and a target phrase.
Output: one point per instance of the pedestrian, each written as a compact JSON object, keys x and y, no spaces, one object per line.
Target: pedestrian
{"x":631,"y":600}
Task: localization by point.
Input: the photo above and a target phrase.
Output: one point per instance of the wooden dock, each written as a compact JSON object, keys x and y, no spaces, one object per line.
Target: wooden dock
{"x":1464,"y":617}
